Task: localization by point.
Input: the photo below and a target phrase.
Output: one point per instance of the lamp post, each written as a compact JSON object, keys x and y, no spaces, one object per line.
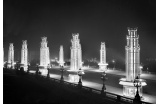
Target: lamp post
{"x":62,"y":69}
{"x":103,"y":87}
{"x":28,"y":67}
{"x":114,"y":64}
{"x":37,"y":69}
{"x":137,"y":84}
{"x":80,"y":73}
{"x":48,"y":68}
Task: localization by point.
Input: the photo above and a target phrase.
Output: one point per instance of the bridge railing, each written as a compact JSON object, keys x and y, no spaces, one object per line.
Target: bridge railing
{"x":108,"y":95}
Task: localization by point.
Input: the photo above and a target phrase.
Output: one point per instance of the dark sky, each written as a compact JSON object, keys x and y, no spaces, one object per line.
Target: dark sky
{"x":95,"y":20}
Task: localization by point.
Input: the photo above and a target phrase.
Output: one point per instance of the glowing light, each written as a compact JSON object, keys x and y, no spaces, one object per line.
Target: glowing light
{"x":54,"y":76}
{"x":127,"y":83}
{"x":32,"y":71}
{"x":72,"y":70}
{"x":73,"y":78}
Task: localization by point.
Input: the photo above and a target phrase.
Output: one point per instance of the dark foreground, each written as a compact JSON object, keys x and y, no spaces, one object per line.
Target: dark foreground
{"x":33,"y":89}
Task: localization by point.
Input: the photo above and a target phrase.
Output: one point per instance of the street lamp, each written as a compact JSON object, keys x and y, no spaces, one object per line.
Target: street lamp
{"x":37,"y":69}
{"x":48,"y":68}
{"x":114,"y":63}
{"x":28,"y":67}
{"x":103,"y":79}
{"x":80,"y":73}
{"x":62,"y":69}
{"x":137,"y":84}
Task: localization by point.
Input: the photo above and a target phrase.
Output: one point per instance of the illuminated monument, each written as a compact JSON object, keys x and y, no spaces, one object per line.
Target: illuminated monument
{"x":76,"y":58}
{"x":132,"y":64}
{"x":61,"y":56}
{"x":11,"y":56}
{"x":24,"y":55}
{"x":76,"y":53}
{"x":103,"y":64}
{"x":44,"y":56}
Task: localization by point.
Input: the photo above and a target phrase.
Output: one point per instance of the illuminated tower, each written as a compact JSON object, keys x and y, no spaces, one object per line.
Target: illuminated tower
{"x":11,"y":56}
{"x":61,"y":56}
{"x":132,"y":64}
{"x":76,"y":53}
{"x":103,"y":64}
{"x":24,"y":55}
{"x":44,"y":55}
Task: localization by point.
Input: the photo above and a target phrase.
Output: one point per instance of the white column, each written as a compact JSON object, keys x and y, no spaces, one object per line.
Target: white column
{"x":76,"y":53}
{"x":24,"y":55}
{"x":61,"y":56}
{"x":11,"y":55}
{"x":44,"y":56}
{"x":103,"y":64}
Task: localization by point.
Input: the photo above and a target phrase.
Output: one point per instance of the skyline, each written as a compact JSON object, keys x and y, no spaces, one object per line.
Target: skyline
{"x":95,"y":21}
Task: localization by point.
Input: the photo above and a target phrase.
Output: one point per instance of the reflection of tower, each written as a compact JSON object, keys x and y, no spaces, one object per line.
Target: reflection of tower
{"x":132,"y":63}
{"x":24,"y":55}
{"x":11,"y":56}
{"x":61,"y":56}
{"x":103,"y":64}
{"x":44,"y":53}
{"x":76,"y":53}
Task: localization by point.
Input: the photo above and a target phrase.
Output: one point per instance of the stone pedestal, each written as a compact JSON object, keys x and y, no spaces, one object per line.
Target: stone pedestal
{"x":73,"y":76}
{"x":129,"y":89}
{"x":102,"y":66}
{"x":43,"y":70}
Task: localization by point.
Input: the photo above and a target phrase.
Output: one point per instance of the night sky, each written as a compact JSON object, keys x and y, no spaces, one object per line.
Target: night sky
{"x":96,"y":21}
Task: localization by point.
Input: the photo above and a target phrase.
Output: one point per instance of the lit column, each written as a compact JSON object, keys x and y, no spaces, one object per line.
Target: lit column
{"x":24,"y":55}
{"x":103,"y":64}
{"x":76,"y":58}
{"x":76,"y":53}
{"x":44,"y":56}
{"x":11,"y":56}
{"x":61,"y":56}
{"x":132,"y":63}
